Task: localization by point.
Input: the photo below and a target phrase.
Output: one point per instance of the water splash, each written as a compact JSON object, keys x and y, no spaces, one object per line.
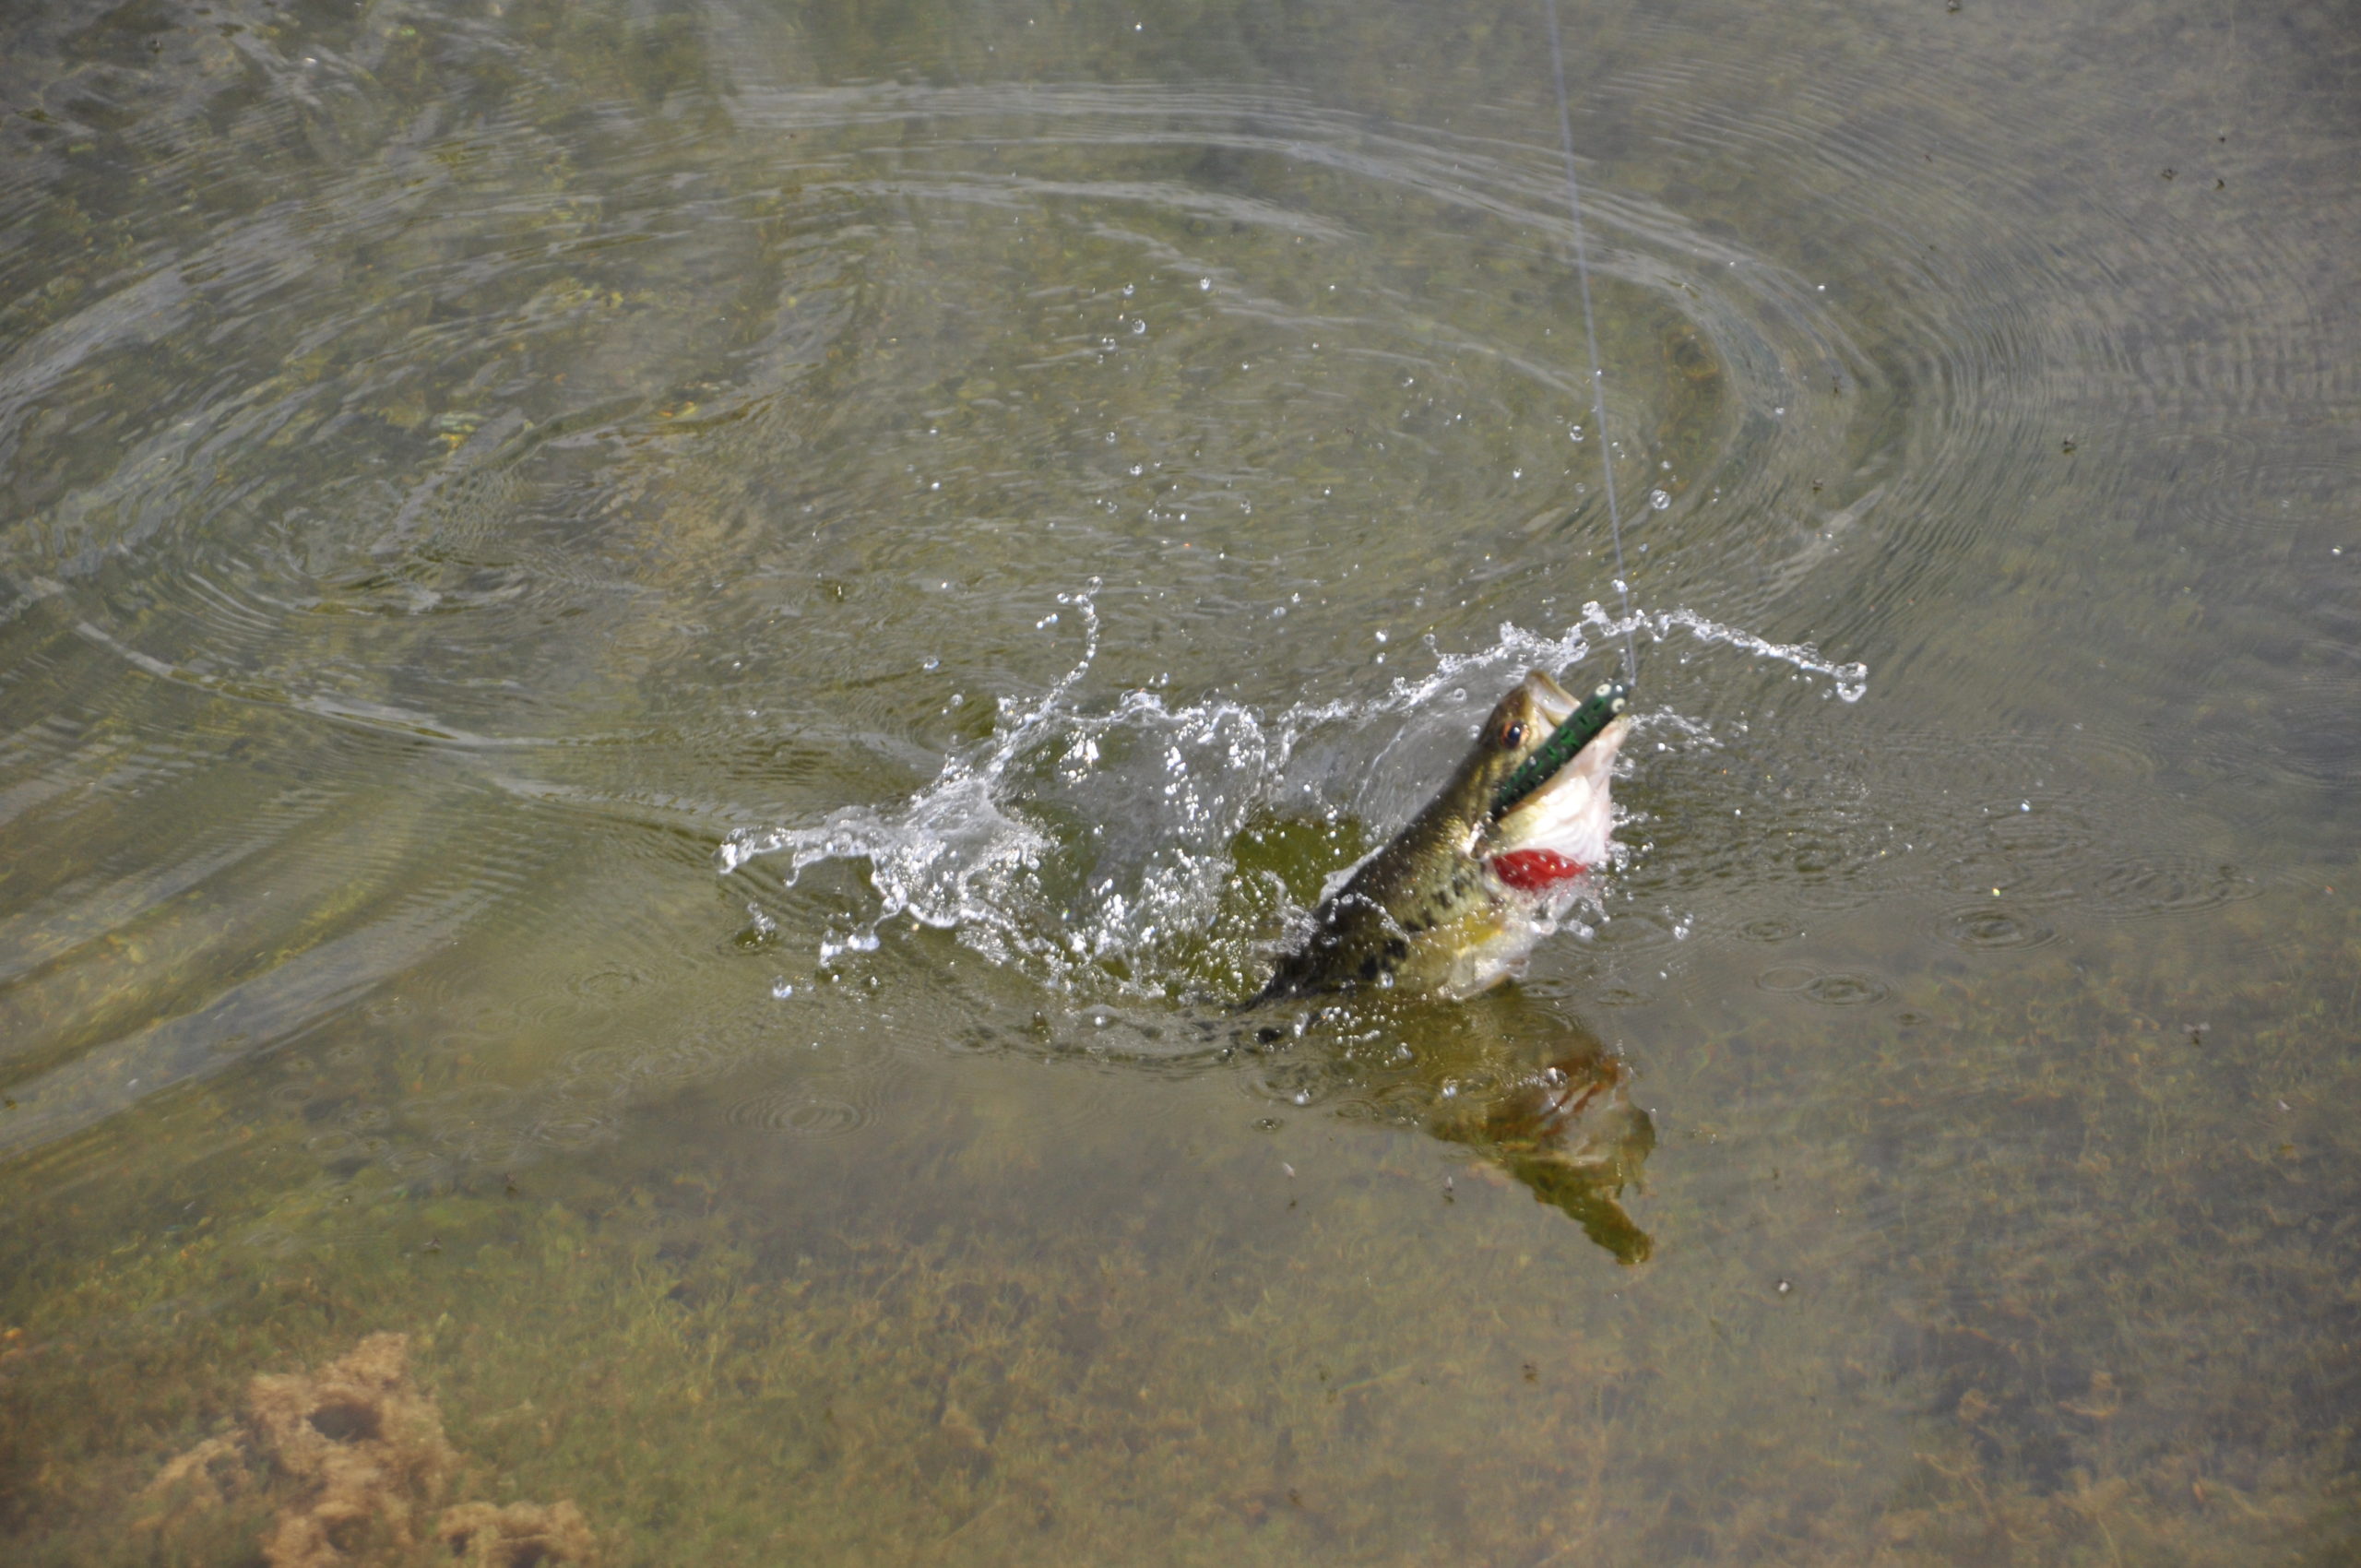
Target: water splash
{"x":1850,"y":682}
{"x":1093,"y":851}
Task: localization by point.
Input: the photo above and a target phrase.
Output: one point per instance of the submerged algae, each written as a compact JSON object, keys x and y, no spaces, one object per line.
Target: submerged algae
{"x":351,"y":1459}
{"x":734,"y":1351}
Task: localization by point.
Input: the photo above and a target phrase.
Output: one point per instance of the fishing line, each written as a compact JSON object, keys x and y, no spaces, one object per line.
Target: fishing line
{"x":1590,"y":338}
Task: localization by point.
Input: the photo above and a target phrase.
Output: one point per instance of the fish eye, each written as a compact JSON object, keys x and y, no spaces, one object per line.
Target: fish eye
{"x":1513,"y":735}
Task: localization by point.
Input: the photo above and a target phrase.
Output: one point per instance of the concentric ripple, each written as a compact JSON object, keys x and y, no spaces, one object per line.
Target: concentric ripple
{"x":804,"y":1111}
{"x":471,"y":478}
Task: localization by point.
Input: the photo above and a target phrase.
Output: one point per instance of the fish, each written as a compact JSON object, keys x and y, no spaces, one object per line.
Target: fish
{"x":1453,"y":904}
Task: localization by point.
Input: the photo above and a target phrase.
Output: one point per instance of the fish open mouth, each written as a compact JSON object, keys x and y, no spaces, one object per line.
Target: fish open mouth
{"x":1551,"y":819}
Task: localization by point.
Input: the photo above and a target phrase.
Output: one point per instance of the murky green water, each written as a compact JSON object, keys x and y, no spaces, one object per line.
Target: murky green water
{"x":659,"y":664}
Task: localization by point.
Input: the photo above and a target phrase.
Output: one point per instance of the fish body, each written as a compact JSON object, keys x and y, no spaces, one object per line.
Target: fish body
{"x":1453,"y":904}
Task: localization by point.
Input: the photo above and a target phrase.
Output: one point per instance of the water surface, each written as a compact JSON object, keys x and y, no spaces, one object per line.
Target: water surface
{"x":661,"y":665}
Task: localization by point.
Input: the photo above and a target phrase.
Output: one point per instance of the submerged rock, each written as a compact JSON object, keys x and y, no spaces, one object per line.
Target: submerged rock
{"x":354,"y":1457}
{"x":364,"y":1444}
{"x":521,"y":1535}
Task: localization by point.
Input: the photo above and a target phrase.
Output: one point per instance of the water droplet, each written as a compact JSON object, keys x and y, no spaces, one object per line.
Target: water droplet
{"x":1659,"y":500}
{"x":1204,"y":285}
{"x":782,"y":990}
{"x":1138,"y":328}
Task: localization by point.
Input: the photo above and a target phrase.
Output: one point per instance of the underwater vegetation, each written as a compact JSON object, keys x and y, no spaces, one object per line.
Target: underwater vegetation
{"x":351,"y":1460}
{"x":742,"y":1351}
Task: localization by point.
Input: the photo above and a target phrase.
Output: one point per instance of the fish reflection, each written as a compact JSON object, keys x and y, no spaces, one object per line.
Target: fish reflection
{"x":1518,"y":1086}
{"x":1522,"y":1087}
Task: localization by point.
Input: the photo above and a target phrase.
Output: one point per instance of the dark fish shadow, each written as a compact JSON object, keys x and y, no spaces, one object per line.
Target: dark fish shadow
{"x":1522,"y":1087}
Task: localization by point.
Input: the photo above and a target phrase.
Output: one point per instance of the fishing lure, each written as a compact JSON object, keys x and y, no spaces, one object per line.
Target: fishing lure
{"x":1580,"y":729}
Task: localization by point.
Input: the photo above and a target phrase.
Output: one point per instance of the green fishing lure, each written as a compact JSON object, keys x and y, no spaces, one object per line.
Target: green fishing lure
{"x":1581,"y":728}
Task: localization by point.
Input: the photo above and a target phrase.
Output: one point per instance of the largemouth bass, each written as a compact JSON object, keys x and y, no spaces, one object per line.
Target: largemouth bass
{"x":1455,"y":902}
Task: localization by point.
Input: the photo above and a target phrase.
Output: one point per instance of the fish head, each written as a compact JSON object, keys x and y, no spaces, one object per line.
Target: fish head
{"x":1540,"y":834}
{"x":1515,"y":732}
